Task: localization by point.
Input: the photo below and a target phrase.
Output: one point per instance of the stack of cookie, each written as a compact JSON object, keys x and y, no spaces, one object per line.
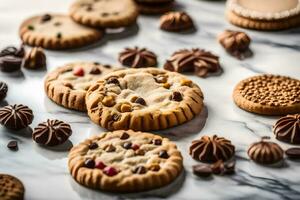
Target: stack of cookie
{"x":153,"y":7}
{"x":85,"y":25}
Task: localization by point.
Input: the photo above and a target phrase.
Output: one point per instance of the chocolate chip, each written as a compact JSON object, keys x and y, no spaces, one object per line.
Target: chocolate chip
{"x":96,"y":63}
{"x":140,"y":100}
{"x":30,"y":27}
{"x":104,"y":14}
{"x":57,"y":24}
{"x":113,"y":80}
{"x":140,"y":170}
{"x":157,"y":141}
{"x":124,"y":136}
{"x":46,"y":17}
{"x":218,"y":167}
{"x":163,"y":154}
{"x":89,"y":163}
{"x":176,"y":96}
{"x":127,"y":145}
{"x":95,"y":70}
{"x":202,"y":170}
{"x":115,"y":117}
{"x":93,"y":145}
{"x":110,"y":148}
{"x":293,"y":153}
{"x":58,"y":35}
{"x":13,"y":145}
{"x":107,"y":66}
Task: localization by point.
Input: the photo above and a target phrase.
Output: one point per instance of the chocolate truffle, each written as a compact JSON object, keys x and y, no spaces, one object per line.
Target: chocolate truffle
{"x":3,"y":90}
{"x":287,"y":129}
{"x":11,"y":59}
{"x":176,"y":21}
{"x":52,"y":132}
{"x":137,"y":57}
{"x":199,"y":61}
{"x":16,"y":116}
{"x":35,"y":58}
{"x":235,"y":42}
{"x":212,"y":149}
{"x":265,"y":152}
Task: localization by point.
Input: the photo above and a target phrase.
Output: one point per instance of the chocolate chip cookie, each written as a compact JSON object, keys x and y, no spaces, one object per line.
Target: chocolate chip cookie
{"x":11,"y":188}
{"x":67,"y":85}
{"x":125,"y":161}
{"x":268,"y":94}
{"x":57,"y":31}
{"x":103,"y":13}
{"x":143,"y":99}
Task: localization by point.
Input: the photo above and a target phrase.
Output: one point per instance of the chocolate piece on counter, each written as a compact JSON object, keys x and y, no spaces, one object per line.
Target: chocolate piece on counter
{"x":3,"y":90}
{"x":212,"y":149}
{"x":199,"y":61}
{"x":202,"y":170}
{"x":35,"y":58}
{"x":11,"y":59}
{"x":137,"y":57}
{"x":265,"y":152}
{"x":235,"y":42}
{"x":287,"y":129}
{"x":176,"y":21}
{"x":293,"y":153}
{"x":13,"y":145}
{"x":52,"y":132}
{"x":16,"y":116}
{"x":218,"y":167}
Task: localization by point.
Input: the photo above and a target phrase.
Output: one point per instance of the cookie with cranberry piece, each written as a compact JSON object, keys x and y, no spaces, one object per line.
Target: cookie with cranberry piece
{"x":136,"y":163}
{"x":57,"y":31}
{"x":104,"y":14}
{"x":268,"y":94}
{"x":143,"y":99}
{"x":67,"y":85}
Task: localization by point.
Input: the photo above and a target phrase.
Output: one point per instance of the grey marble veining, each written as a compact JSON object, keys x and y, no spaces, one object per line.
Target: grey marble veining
{"x":44,"y":170}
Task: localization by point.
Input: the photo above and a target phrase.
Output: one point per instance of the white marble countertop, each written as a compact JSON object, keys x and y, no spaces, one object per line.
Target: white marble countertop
{"x":44,"y":171}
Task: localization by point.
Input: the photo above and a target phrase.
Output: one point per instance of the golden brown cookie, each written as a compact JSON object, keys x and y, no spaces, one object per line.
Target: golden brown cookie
{"x":107,"y":14}
{"x":57,"y":31}
{"x":11,"y":188}
{"x":268,"y":94}
{"x":264,"y":15}
{"x":125,"y":161}
{"x":143,"y":99}
{"x":67,"y":85}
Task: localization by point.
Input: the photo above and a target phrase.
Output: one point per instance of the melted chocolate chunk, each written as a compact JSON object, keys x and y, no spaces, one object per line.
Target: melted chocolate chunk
{"x":93,"y":145}
{"x":113,"y":80}
{"x":157,"y":141}
{"x":124,"y":136}
{"x":95,"y":70}
{"x":176,"y":96}
{"x":141,"y":101}
{"x":89,"y":163}
{"x":140,"y":170}
{"x":46,"y":18}
{"x":163,"y":154}
{"x":127,"y":145}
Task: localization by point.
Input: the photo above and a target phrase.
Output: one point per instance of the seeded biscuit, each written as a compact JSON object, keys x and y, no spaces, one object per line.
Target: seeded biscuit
{"x":268,"y":94}
{"x":125,"y":161}
{"x":11,"y":188}
{"x":57,"y":31}
{"x":143,"y":99}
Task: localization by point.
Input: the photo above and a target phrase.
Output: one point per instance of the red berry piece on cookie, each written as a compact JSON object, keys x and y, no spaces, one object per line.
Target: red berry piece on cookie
{"x":78,"y":72}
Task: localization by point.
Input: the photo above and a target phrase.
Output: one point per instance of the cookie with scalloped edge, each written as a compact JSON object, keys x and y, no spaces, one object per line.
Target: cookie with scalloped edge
{"x":125,"y":161}
{"x":67,"y":85}
{"x":103,"y":13}
{"x":57,"y":31}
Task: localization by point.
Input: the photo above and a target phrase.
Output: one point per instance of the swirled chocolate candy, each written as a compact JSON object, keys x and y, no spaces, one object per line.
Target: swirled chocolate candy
{"x":287,"y":129}
{"x":235,"y":42}
{"x":199,"y":61}
{"x":3,"y":90}
{"x":35,"y":58}
{"x":212,"y":149}
{"x":11,"y":58}
{"x":137,"y":57}
{"x":176,"y":21}
{"x":16,"y":116}
{"x":265,"y":152}
{"x":52,"y":132}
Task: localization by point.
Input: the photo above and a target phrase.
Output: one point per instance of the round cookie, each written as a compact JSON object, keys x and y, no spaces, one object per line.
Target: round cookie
{"x":125,"y":161}
{"x":268,"y":94}
{"x":264,"y":15}
{"x":57,"y":31}
{"x":11,"y":188}
{"x":101,"y":13}
{"x":143,"y":99}
{"x":67,"y":85}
